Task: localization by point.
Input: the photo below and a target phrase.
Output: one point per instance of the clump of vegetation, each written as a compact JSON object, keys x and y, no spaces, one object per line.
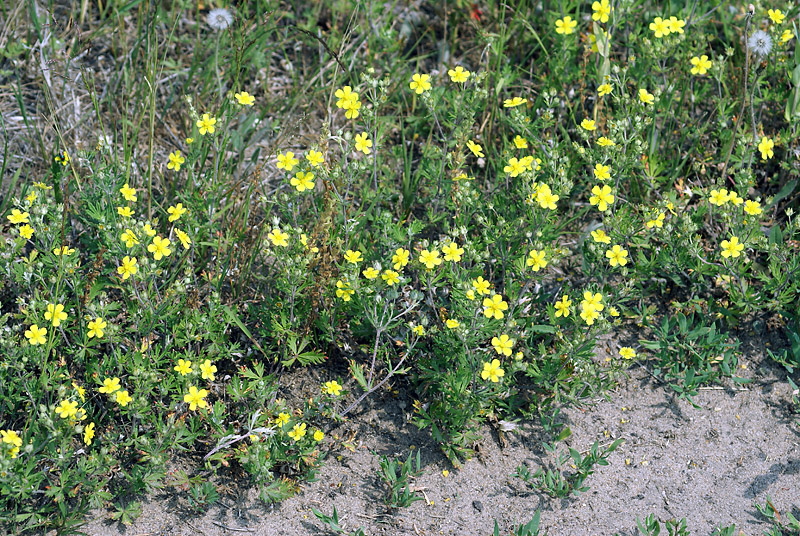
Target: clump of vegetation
{"x":459,"y":211}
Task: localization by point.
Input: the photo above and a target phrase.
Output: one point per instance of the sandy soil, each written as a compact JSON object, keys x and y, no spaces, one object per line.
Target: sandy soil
{"x":708,"y":465}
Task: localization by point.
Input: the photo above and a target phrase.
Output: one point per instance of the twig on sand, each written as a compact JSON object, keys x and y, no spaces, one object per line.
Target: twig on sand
{"x":234,"y":529}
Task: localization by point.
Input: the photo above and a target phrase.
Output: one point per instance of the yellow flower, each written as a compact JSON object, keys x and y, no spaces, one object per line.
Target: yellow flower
{"x":129,"y":238}
{"x":562,"y":306}
{"x":589,"y":315}
{"x":492,"y":371}
{"x":189,"y":141}
{"x":63,"y":250}
{"x":765,"y":146}
{"x":718,"y":197}
{"x":588,"y":124}
{"x":451,"y":323}
{"x":128,"y":193}
{"x":452,"y":252}
{"x":278,"y":238}
{"x":55,"y":313}
{"x":732,"y":248}
{"x":602,"y":141}
{"x":513,"y":103}
{"x":97,"y":327}
{"x":298,"y":431}
{"x":400,"y":258}
{"x":10,"y":437}
{"x":700,"y":65}
{"x":206,"y":124}
{"x":752,"y":208}
{"x":566,"y":25}
{"x":184,"y":238}
{"x":314,"y":158}
{"x":476,"y":149}
{"x":363,"y":143}
{"x":494,"y":307}
{"x":344,"y":291}
{"x":626,"y":352}
{"x":602,"y":10}
{"x":244,"y":98}
{"x":175,"y":212}
{"x":776,"y":16}
{"x":602,"y":197}
{"x":353,"y":257}
{"x":481,"y":286}
{"x":282,"y":419}
{"x":88,"y":434}
{"x":31,"y":197}
{"x":26,"y":232}
{"x":195,"y":398}
{"x":660,"y":27}
{"x":676,"y":25}
{"x":418,"y":330}
{"x":786,"y":36}
{"x":332,"y":388}
{"x":617,"y":256}
{"x":287,"y":161}
{"x":514,"y":167}
{"x":471,"y":294}
{"x":657,"y":222}
{"x":602,"y":172}
{"x":734,"y":198}
{"x":347,"y":98}
{"x":318,"y":435}
{"x":503,"y":344}
{"x":536,"y":260}
{"x":175,"y":161}
{"x":391,"y":277}
{"x":303,"y":181}
{"x":458,"y":75}
{"x":183,"y":367}
{"x":371,"y":273}
{"x":592,"y":301}
{"x":36,"y":335}
{"x":128,"y":267}
{"x":67,"y":409}
{"x":430,"y":258}
{"x":207,"y":370}
{"x":125,"y":212}
{"x":110,"y":386}
{"x":149,"y":230}
{"x":420,"y":83}
{"x":42,"y":185}
{"x":520,"y":142}
{"x":646,"y":97}
{"x":601,"y":237}
{"x":604,"y":89}
{"x":546,"y":198}
{"x":159,"y":248}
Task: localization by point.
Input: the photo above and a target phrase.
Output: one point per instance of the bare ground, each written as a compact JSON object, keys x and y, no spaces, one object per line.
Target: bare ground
{"x":708,"y":465}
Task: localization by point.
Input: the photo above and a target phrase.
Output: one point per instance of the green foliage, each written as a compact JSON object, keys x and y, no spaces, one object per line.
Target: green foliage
{"x":780,"y":526}
{"x":692,"y":353}
{"x":396,"y":474}
{"x":557,"y":482}
{"x":332,"y":521}
{"x":531,"y":528}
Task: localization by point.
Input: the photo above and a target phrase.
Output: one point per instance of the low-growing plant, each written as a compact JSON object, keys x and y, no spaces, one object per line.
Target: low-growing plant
{"x":531,"y":528}
{"x":651,"y":526}
{"x":332,"y":522}
{"x":557,"y":481}
{"x":781,"y":526}
{"x":691,"y":353}
{"x":396,"y":474}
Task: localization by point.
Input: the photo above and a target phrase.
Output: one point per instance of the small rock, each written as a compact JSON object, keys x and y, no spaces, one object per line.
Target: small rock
{"x":477,"y":505}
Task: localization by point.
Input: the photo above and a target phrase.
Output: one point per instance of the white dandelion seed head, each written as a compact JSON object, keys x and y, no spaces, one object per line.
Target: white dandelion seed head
{"x":219,"y":18}
{"x":760,"y":43}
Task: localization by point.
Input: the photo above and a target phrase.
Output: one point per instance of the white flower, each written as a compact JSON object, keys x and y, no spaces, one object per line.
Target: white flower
{"x":760,"y":43}
{"x":219,"y":18}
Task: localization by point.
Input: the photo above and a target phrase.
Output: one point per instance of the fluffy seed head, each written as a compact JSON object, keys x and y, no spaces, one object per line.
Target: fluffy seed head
{"x":219,"y":18}
{"x":760,"y":43}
